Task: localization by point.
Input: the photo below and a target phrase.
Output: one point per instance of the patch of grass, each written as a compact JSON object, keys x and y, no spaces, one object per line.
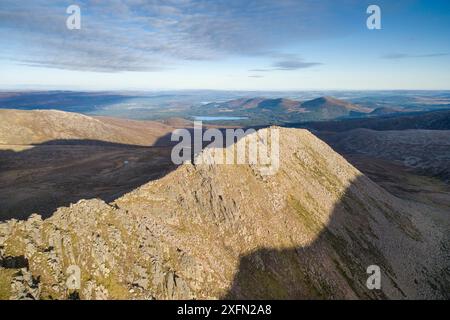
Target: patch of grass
{"x":6,"y":276}
{"x":116,"y":290}
{"x":311,"y":224}
{"x":319,"y":169}
{"x":14,"y":246}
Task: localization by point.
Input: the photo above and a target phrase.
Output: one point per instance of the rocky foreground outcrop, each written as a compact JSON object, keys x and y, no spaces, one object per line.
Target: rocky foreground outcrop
{"x":224,"y":231}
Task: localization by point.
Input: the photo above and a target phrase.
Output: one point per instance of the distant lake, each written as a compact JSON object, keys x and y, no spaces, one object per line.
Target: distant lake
{"x":206,"y":118}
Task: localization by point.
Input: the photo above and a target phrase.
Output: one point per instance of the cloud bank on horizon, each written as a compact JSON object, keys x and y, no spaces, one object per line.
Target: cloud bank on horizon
{"x":163,"y":35}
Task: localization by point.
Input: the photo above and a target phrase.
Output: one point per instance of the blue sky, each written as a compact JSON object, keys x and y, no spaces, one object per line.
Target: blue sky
{"x":225,"y":44}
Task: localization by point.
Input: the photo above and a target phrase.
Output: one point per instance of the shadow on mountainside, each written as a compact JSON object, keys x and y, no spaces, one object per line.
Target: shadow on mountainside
{"x":359,"y":234}
{"x":40,"y":178}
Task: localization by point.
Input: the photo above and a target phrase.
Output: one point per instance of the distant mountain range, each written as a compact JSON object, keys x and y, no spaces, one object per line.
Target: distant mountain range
{"x":244,"y":108}
{"x":262,"y":110}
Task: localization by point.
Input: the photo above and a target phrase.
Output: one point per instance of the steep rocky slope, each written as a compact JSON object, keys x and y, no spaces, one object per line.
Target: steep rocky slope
{"x":225,"y":231}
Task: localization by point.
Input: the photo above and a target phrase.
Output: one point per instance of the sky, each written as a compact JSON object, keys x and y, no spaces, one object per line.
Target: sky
{"x":225,"y":45}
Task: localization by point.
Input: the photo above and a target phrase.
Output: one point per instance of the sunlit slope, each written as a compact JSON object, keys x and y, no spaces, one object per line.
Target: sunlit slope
{"x":18,"y":127}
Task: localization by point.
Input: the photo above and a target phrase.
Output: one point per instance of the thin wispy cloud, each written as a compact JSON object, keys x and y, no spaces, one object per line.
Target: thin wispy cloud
{"x":287,"y":62}
{"x":139,"y":35}
{"x":288,"y":65}
{"x":395,"y":56}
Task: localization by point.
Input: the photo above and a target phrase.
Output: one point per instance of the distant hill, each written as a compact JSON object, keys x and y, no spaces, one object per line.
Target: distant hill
{"x":279,"y":104}
{"x":18,"y":127}
{"x":329,"y":107}
{"x":434,"y":120}
{"x":242,"y":103}
{"x":61,"y":100}
{"x":330,"y":102}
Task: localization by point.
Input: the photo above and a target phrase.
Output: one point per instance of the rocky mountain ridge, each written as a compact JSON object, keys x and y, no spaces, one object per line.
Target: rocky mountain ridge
{"x":224,"y":231}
